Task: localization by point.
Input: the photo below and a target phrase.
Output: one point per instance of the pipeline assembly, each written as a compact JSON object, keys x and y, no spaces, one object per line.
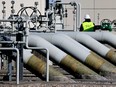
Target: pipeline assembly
{"x":43,"y":45}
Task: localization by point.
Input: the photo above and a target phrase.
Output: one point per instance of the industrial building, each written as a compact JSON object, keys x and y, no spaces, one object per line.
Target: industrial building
{"x":42,"y":44}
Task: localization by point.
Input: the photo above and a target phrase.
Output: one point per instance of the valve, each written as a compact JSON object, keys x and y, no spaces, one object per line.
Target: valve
{"x":106,"y":24}
{"x":32,"y":14}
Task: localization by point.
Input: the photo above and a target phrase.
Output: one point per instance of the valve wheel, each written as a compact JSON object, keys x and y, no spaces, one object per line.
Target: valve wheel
{"x":105,"y":21}
{"x":32,"y":14}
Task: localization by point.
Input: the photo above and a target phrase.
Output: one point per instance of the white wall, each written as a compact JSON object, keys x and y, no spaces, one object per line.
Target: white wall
{"x":105,"y":8}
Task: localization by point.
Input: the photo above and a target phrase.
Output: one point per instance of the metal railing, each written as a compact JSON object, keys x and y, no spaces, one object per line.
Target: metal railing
{"x":47,"y":52}
{"x":17,"y":71}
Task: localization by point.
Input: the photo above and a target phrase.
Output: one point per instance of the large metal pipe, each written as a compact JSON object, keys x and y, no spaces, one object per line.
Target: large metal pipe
{"x":110,"y":39}
{"x":99,"y":48}
{"x":78,"y":51}
{"x":62,"y":58}
{"x":92,"y":43}
{"x":89,"y":42}
{"x":47,"y":52}
{"x":107,"y":65}
{"x":39,"y":66}
{"x":100,"y":36}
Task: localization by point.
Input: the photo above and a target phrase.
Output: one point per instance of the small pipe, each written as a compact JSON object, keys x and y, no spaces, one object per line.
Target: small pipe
{"x":10,"y":20}
{"x":40,"y":48}
{"x":10,"y":69}
{"x":76,"y":17}
{"x":17,"y":80}
{"x":12,"y":42}
{"x":79,"y":16}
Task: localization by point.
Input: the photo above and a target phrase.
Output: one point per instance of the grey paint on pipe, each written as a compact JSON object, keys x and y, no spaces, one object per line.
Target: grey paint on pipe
{"x":88,"y":41}
{"x":92,"y":43}
{"x":62,"y":58}
{"x":63,"y":41}
{"x":74,"y":48}
{"x":95,"y":45}
{"x":108,"y":37}
{"x":40,"y":66}
{"x":68,"y":44}
{"x":100,"y":36}
{"x":55,"y":53}
{"x":103,"y":36}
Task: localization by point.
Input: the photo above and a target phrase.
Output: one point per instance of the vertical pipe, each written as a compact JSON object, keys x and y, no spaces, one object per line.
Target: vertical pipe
{"x":47,"y":52}
{"x":10,"y":69}
{"x":17,"y":65}
{"x":17,"y":81}
{"x":47,"y":5}
{"x":19,"y":37}
{"x":79,"y":16}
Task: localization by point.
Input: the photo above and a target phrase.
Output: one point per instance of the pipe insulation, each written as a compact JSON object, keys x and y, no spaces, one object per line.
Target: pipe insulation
{"x":39,"y":66}
{"x":64,"y":41}
{"x":96,"y":46}
{"x":99,"y":48}
{"x":106,"y":65}
{"x":92,"y":43}
{"x":77,"y":50}
{"x":109,"y":38}
{"x":62,"y":58}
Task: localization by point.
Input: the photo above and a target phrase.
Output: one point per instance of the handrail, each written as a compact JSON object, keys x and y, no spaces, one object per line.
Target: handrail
{"x":17,"y":50}
{"x":47,"y":51}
